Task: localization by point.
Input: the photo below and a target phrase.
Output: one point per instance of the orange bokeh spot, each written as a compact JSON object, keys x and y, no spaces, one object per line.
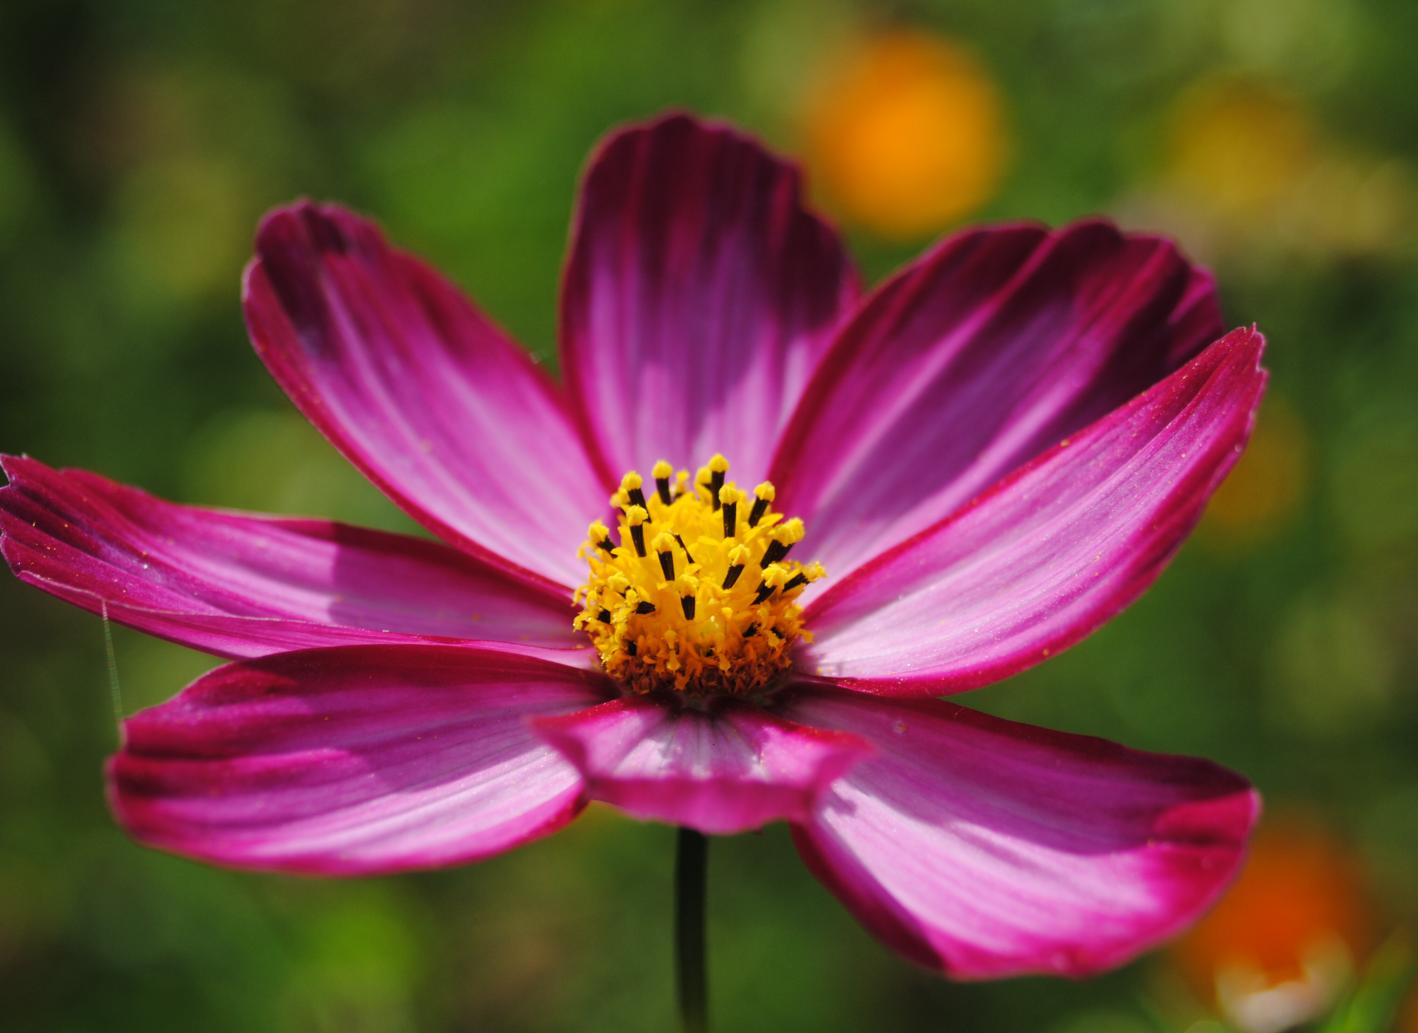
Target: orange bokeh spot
{"x":1282,"y":942}
{"x":905,"y":133}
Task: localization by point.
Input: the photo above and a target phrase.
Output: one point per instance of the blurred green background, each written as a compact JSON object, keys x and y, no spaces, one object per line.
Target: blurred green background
{"x":139,"y":143}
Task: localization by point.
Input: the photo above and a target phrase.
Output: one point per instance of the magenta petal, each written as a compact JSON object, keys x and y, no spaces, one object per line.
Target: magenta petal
{"x":971,"y":361}
{"x":698,"y":295}
{"x":985,"y":848}
{"x":1049,"y":554}
{"x":730,"y":771}
{"x":415,"y":386}
{"x":352,"y":761}
{"x":245,"y":585}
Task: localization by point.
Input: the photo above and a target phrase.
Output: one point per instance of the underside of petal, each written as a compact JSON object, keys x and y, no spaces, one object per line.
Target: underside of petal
{"x":983,"y":848}
{"x":730,"y":771}
{"x":352,"y":761}
{"x":244,"y":585}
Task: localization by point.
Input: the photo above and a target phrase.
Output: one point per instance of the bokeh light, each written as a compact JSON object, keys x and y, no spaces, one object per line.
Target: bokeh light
{"x":904,"y":132}
{"x":1288,"y":936}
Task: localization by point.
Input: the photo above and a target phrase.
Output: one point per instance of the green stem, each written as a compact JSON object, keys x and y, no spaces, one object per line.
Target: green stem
{"x":691,"y":870}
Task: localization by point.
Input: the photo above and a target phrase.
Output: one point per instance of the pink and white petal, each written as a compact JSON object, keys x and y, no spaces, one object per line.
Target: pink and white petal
{"x":970,"y":362}
{"x":1052,"y":552}
{"x":352,"y":761}
{"x":420,"y":391}
{"x":244,"y":585}
{"x":730,"y":771}
{"x":698,"y":294}
{"x":984,"y":849}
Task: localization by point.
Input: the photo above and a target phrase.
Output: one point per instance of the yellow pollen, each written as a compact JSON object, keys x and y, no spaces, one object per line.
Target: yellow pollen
{"x":697,"y":594}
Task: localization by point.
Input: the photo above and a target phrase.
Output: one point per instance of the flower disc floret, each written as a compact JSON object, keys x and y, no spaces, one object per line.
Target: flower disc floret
{"x":698,"y":595}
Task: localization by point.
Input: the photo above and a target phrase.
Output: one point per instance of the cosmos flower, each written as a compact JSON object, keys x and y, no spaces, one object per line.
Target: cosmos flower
{"x":903,"y":496}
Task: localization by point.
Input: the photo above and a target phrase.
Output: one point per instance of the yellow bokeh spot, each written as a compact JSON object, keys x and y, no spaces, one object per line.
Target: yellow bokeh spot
{"x":697,"y":596}
{"x":1268,"y":483}
{"x":1240,"y":146}
{"x":1252,"y":170}
{"x":905,"y":133}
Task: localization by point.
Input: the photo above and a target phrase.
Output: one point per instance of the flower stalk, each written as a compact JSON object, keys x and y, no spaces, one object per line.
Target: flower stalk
{"x":691,"y":871}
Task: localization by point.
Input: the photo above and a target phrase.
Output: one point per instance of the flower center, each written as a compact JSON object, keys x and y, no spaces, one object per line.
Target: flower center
{"x":699,"y":596}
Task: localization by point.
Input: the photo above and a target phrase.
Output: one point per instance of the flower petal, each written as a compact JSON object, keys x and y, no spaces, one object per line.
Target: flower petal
{"x":352,"y":761}
{"x":985,"y":848}
{"x":698,"y":295}
{"x":970,"y":362}
{"x":245,"y":585}
{"x":414,"y":385}
{"x":730,"y":771}
{"x":1049,"y":554}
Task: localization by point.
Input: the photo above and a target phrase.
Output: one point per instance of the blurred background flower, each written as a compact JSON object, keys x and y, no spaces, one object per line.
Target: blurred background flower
{"x":139,"y":142}
{"x":1268,"y":484}
{"x":1247,"y":167}
{"x":1288,"y":937}
{"x":904,"y":132}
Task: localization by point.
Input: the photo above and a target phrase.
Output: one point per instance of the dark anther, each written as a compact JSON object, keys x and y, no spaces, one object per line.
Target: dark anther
{"x":732,"y":575}
{"x":644,"y":606}
{"x":630,"y":647}
{"x":686,"y":603}
{"x":604,"y":616}
{"x":794,"y":581}
{"x":662,"y":485}
{"x":731,"y":518}
{"x":637,"y":535}
{"x":760,"y":506}
{"x":775,"y":552}
{"x":764,"y":591}
{"x":685,"y":548}
{"x":750,"y":631}
{"x":716,"y":481}
{"x":667,"y":564}
{"x":607,"y":544}
{"x":637,"y":498}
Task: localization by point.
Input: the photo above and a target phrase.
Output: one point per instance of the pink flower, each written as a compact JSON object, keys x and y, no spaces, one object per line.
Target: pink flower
{"x":989,"y":455}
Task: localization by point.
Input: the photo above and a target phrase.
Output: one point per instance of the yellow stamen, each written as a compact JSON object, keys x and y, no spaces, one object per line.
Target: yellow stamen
{"x":698,"y":596}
